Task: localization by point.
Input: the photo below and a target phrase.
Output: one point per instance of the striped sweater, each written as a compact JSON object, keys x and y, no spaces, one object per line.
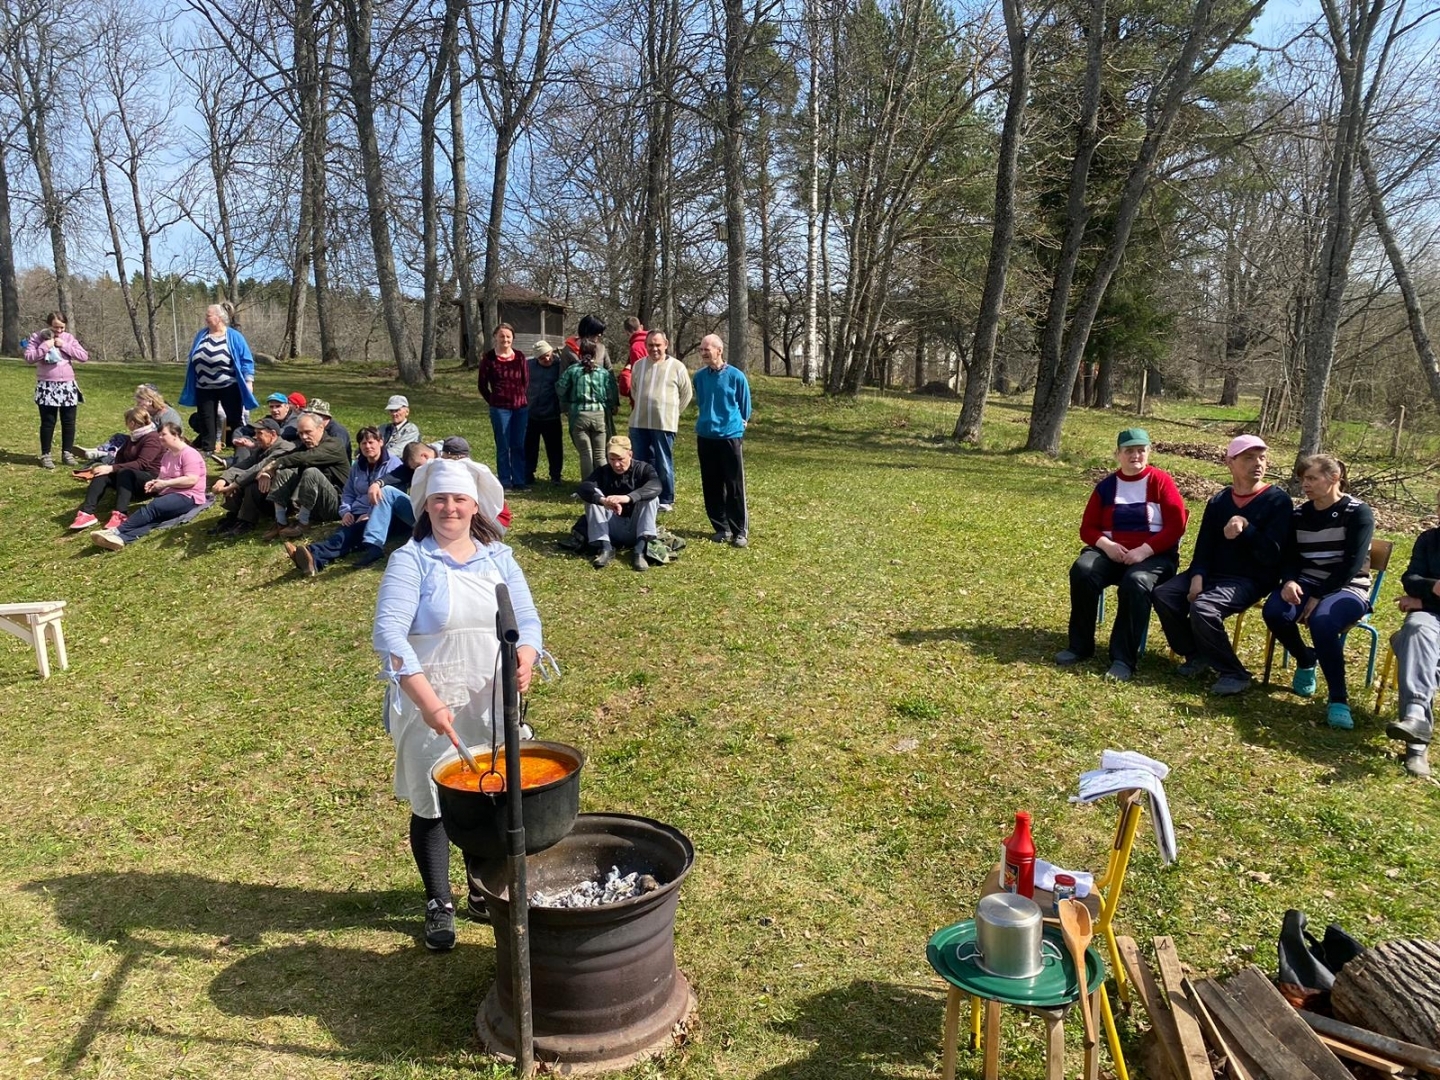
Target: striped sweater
{"x":660,"y":392}
{"x":1329,"y":549}
{"x":1134,"y":510}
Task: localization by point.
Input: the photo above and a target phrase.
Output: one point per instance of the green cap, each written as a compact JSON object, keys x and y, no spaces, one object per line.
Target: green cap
{"x":1132,"y":436}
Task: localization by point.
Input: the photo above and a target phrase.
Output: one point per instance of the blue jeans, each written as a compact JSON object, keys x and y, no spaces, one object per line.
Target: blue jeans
{"x":509,"y":427}
{"x":338,"y":544}
{"x":394,"y":506}
{"x":658,"y":449}
{"x":1332,"y":617}
{"x":156,"y":512}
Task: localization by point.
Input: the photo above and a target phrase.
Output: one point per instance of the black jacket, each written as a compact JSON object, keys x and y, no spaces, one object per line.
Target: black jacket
{"x":1424,"y":570}
{"x":640,"y":482}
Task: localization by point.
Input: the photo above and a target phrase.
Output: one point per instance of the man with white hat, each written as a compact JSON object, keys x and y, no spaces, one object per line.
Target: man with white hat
{"x":400,"y":432}
{"x":1235,"y":563}
{"x":621,"y":501}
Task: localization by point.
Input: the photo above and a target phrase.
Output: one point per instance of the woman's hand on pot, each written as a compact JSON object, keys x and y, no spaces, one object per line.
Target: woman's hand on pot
{"x":526,"y":657}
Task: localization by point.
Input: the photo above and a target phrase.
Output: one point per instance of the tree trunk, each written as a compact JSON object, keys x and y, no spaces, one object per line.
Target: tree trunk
{"x":737,"y":41}
{"x":1002,"y":233}
{"x":9,"y":286}
{"x":1230,"y":390}
{"x":1105,"y":381}
{"x":319,"y":203}
{"x":1394,"y":989}
{"x":767,"y":334}
{"x":429,"y":208}
{"x":811,"y":369}
{"x":460,"y":224}
{"x":102,"y":175}
{"x":490,"y":276}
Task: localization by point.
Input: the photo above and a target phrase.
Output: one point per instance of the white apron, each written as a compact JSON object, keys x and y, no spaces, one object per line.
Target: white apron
{"x":460,"y":662}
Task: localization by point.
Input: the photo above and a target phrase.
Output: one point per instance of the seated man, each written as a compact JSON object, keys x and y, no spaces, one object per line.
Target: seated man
{"x":1417,"y":653}
{"x":1131,"y":530}
{"x":1236,"y":561}
{"x":333,"y":428}
{"x":399,"y":432}
{"x":389,"y":503}
{"x":371,"y":466}
{"x":236,"y":486}
{"x":622,"y":497}
{"x":308,"y":479}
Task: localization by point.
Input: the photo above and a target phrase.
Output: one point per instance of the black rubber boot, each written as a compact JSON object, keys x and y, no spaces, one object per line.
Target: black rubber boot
{"x":604,"y":555}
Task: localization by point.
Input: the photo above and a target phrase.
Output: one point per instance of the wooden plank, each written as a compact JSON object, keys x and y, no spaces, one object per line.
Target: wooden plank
{"x":1268,"y":1053}
{"x":1187,"y":1026}
{"x":1161,"y":1019}
{"x":1407,"y":1053}
{"x":1241,"y":1067}
{"x":1366,"y":1058}
{"x":1255,"y":993}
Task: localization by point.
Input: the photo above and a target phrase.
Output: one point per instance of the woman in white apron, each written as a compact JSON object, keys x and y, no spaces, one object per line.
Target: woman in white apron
{"x":435,"y":633}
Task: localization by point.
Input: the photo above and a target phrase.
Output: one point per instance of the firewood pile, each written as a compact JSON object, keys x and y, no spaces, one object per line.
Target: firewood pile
{"x":1386,"y":1022}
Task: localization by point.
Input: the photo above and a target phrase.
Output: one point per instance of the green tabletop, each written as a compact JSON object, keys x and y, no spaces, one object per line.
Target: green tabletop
{"x":1054,"y":987}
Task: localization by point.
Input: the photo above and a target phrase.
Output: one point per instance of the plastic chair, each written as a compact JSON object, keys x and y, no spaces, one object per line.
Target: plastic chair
{"x":1379,"y":560}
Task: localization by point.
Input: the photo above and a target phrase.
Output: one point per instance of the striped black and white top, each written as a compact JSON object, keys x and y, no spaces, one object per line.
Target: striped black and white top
{"x":214,"y":368}
{"x":1329,"y":549}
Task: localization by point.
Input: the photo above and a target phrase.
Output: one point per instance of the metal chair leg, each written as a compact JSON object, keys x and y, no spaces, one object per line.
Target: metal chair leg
{"x":1112,"y":1036}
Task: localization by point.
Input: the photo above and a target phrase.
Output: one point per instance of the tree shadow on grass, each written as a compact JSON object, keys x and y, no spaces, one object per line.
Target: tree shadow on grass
{"x":865,"y":1029}
{"x":1007,"y":644}
{"x":350,"y":992}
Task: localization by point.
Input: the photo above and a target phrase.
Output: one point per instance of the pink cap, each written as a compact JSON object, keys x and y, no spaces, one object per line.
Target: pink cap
{"x":1241,"y":443}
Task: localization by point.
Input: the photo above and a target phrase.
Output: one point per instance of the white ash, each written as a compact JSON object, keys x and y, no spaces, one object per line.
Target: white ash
{"x":595,"y":893}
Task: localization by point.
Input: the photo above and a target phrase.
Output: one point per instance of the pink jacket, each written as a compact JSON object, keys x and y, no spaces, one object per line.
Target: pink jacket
{"x":70,"y":350}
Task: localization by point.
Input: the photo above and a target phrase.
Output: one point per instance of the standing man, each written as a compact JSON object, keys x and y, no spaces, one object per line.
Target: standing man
{"x":1417,"y":653}
{"x":636,"y":329}
{"x":722,"y":394}
{"x":544,"y":423}
{"x":660,"y":388}
{"x":1236,"y":562}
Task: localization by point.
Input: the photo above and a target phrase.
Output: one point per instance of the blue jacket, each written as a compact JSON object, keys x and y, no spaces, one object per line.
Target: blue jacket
{"x":244,"y":367}
{"x":353,"y":499}
{"x":723,"y":398}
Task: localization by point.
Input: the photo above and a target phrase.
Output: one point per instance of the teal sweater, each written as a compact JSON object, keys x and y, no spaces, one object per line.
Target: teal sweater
{"x":723,"y":398}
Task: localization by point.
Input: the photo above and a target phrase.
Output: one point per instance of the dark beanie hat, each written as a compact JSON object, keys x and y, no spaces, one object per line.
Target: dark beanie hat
{"x":590,"y":326}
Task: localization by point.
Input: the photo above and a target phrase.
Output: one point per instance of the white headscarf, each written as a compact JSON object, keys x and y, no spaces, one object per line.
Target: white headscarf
{"x":445,"y":476}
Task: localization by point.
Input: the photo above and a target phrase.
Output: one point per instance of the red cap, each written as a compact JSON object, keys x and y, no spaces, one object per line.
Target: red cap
{"x":298,"y":400}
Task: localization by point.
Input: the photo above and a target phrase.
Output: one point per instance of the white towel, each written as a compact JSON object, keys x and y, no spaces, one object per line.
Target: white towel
{"x":1045,"y":878}
{"x":1133,"y":759}
{"x":1099,"y":783}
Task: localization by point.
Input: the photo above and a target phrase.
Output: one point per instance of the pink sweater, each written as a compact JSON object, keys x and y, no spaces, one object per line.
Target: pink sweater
{"x":36,"y":351}
{"x":186,"y":462}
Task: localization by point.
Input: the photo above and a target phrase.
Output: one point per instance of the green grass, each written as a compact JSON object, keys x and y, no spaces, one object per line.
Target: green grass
{"x":203,"y":872}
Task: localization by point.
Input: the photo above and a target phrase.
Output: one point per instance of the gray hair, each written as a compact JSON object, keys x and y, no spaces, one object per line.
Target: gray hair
{"x":715,"y":340}
{"x":224,"y":313}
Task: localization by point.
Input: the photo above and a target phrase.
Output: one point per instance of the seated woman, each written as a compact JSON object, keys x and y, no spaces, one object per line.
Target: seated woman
{"x":178,"y":489}
{"x":136,"y":464}
{"x":1325,"y":582}
{"x":1131,"y":531}
{"x":150,"y":399}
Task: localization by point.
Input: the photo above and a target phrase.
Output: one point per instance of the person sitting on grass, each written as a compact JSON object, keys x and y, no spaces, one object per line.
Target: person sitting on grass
{"x":333,"y":428}
{"x":237,"y":485}
{"x":150,"y":399}
{"x":1325,"y":582}
{"x":1236,"y":561}
{"x":135,"y":465}
{"x":622,"y":498}
{"x":389,"y":503}
{"x":1417,"y":653}
{"x":1131,"y":531}
{"x":400,"y":432}
{"x":307,"y":480}
{"x":372,"y":464}
{"x":178,"y":489}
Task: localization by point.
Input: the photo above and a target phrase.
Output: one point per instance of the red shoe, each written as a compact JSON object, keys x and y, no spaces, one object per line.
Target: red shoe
{"x":82,"y":520}
{"x":116,"y":520}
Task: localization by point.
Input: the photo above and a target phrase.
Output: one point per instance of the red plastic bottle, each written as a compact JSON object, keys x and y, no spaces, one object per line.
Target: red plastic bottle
{"x":1020,"y":858}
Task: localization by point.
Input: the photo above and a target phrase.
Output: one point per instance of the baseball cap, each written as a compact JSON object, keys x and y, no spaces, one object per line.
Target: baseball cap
{"x":618,"y":444}
{"x":397,"y":401}
{"x":298,"y":400}
{"x":281,"y":398}
{"x":1132,"y":436}
{"x":543,"y":348}
{"x":268,"y":424}
{"x":455,"y":445}
{"x":319,"y":406}
{"x":1241,"y":443}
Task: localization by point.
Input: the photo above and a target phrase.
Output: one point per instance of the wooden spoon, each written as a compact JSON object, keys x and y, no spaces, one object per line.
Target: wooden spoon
{"x":1075,"y":928}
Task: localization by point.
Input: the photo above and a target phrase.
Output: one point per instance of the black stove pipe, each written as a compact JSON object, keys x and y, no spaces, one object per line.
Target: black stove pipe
{"x":509,"y":634}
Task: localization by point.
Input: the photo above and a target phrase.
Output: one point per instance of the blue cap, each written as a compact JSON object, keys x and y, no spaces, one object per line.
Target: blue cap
{"x":278,"y":397}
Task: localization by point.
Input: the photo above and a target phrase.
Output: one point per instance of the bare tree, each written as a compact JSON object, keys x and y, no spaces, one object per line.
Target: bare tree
{"x":9,"y":287}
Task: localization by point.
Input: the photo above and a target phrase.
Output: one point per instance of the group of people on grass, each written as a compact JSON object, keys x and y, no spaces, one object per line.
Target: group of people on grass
{"x":1309,"y":564}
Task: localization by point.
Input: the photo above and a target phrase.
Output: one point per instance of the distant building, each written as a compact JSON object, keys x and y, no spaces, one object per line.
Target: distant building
{"x":533,"y":315}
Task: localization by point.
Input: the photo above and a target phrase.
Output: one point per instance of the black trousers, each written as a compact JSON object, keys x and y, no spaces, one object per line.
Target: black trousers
{"x":127,"y":483}
{"x":65,"y":414}
{"x":1089,"y":576}
{"x":548,"y":429}
{"x":722,"y":480}
{"x":207,"y":420}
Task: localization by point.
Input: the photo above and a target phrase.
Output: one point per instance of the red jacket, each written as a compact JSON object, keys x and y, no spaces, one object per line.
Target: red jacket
{"x":637,"y":347}
{"x":1142,"y":509}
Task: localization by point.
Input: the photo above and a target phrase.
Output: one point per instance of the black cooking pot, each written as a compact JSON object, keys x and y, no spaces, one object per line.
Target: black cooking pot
{"x":475,"y":820}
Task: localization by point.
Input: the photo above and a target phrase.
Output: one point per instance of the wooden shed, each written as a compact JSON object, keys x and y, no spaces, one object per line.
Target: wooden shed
{"x":534,"y":316}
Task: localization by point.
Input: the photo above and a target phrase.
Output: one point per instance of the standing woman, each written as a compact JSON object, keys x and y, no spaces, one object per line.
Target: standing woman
{"x":220,"y":374}
{"x":1325,"y":582}
{"x":57,"y":394}
{"x":435,"y":633}
{"x":504,"y":384}
{"x":589,"y":395}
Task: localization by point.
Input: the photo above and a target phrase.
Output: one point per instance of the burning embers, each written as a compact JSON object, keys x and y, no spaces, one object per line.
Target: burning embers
{"x":585,"y":894}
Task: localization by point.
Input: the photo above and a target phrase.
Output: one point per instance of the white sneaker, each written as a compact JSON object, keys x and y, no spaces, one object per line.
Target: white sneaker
{"x":109,"y":539}
{"x":665,"y":508}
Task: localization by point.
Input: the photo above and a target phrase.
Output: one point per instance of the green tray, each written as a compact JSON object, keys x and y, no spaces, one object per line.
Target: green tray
{"x":1053,"y":987}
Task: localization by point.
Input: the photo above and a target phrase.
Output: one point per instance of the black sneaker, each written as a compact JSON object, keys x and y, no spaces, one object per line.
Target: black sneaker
{"x":224,"y":525}
{"x":603,"y":557}
{"x":439,"y":926}
{"x":475,"y":911}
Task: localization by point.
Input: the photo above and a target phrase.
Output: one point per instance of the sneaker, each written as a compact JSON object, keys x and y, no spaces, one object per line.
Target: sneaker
{"x":665,"y":508}
{"x":290,"y":532}
{"x":239,"y":529}
{"x":1196,"y":665}
{"x":219,"y":459}
{"x":107,"y":539}
{"x":1120,"y":671}
{"x":82,"y":520}
{"x":638,"y":560}
{"x":1304,"y":681}
{"x":46,"y":461}
{"x":223,"y":526}
{"x":1227,"y":685}
{"x":1068,"y":657}
{"x":1417,"y":762}
{"x":369,"y":555}
{"x":603,"y":557}
{"x":740,"y":542}
{"x":302,"y":558}
{"x":1408,"y":729}
{"x":88,"y":452}
{"x":439,"y":926}
{"x":720,"y":537}
{"x":1338,"y":716}
{"x":68,"y":458}
{"x":475,"y":911}
{"x":116,"y":519}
